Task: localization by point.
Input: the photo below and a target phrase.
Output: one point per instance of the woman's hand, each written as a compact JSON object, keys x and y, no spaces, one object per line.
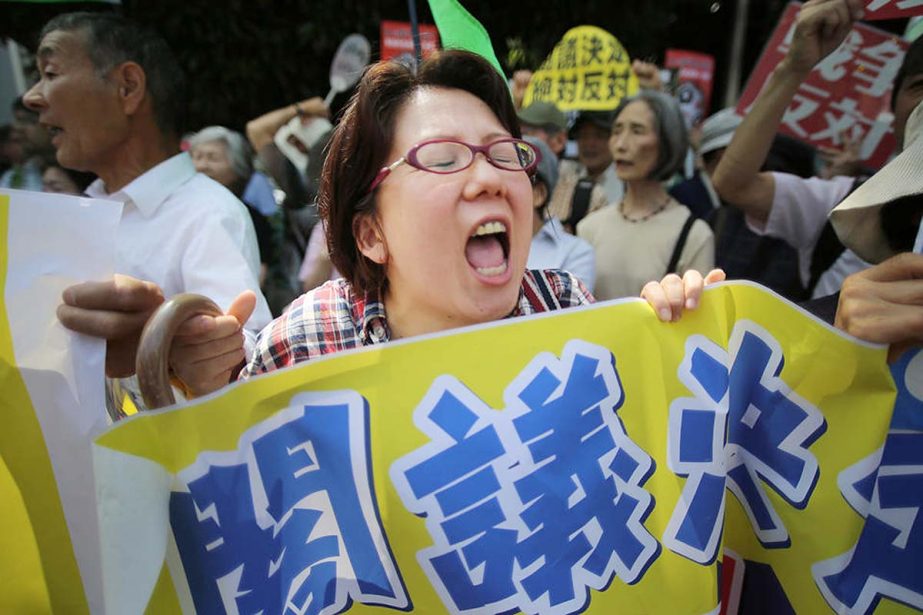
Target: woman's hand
{"x":673,"y":294}
{"x":208,"y":351}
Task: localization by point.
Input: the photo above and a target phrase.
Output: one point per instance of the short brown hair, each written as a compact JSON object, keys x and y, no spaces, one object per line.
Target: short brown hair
{"x":364,"y":136}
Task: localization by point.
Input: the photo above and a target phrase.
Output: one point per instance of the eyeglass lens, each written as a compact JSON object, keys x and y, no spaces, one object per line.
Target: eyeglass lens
{"x":448,"y":156}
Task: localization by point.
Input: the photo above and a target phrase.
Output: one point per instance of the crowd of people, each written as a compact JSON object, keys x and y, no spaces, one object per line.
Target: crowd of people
{"x":434,"y":201}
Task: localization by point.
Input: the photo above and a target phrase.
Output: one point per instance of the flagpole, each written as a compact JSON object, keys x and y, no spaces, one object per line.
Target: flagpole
{"x":732,"y":88}
{"x":415,"y":31}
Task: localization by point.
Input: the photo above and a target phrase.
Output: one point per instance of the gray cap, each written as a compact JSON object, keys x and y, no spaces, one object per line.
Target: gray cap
{"x":603,"y":119}
{"x":547,"y":169}
{"x":542,"y":114}
{"x":718,"y":130}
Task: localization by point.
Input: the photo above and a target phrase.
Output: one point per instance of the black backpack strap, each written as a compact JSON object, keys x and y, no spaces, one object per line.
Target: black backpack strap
{"x":680,"y":244}
{"x":580,"y":202}
{"x":827,"y":249}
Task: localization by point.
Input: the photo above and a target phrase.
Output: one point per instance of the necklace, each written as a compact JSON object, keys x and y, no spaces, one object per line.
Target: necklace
{"x":646,"y":216}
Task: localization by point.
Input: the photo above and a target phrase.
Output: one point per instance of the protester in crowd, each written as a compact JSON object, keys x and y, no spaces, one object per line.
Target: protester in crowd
{"x":648,"y":75}
{"x":843,"y":159}
{"x":59,"y":180}
{"x":518,"y":85}
{"x":881,"y":219}
{"x":293,"y":135}
{"x":290,"y":143}
{"x":543,"y":120}
{"x":28,"y":143}
{"x":428,"y":204}
{"x":575,"y":196}
{"x":741,"y":253}
{"x":553,"y":247}
{"x":788,"y":207}
{"x":224,"y":155}
{"x":546,"y":122}
{"x":111,"y":95}
{"x":648,"y":234}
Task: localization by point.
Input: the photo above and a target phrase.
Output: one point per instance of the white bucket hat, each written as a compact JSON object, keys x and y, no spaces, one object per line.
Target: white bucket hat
{"x":857,"y":219}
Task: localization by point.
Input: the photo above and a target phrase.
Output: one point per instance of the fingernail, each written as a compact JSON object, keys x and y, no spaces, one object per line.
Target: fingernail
{"x":68,"y":295}
{"x":665,"y":314}
{"x":690,"y":303}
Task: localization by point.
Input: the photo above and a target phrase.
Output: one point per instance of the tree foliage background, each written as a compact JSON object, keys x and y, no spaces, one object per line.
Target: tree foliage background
{"x":246,"y":57}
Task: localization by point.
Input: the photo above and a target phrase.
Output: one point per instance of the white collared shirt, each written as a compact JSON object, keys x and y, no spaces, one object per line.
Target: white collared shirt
{"x":187,"y":233}
{"x":554,"y":248}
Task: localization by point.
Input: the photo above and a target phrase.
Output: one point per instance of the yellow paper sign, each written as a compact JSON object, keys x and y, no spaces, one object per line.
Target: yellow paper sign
{"x":587,"y":70}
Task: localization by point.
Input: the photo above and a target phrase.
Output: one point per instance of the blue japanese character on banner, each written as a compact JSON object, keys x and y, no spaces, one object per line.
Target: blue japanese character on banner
{"x":908,"y":377}
{"x":287,"y":523}
{"x":886,"y":489}
{"x":743,"y":427}
{"x":530,"y":507}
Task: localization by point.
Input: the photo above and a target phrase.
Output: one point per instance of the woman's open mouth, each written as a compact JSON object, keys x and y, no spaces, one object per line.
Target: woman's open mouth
{"x":488,"y":249}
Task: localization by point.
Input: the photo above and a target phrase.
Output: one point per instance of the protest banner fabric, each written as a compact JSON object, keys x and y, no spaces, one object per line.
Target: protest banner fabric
{"x":892,"y":9}
{"x":592,"y":440}
{"x":587,"y":70}
{"x":848,"y":93}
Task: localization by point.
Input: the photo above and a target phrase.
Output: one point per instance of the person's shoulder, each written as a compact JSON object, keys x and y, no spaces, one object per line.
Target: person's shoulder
{"x":305,"y":326}
{"x":701,"y":230}
{"x":202,"y":185}
{"x":332,"y":300}
{"x":590,"y":226}
{"x":205,"y":199}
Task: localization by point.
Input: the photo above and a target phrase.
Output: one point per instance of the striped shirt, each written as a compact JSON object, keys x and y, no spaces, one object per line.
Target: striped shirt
{"x":332,"y":318}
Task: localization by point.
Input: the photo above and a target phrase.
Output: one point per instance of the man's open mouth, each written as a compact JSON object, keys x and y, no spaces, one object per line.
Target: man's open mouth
{"x":488,"y":248}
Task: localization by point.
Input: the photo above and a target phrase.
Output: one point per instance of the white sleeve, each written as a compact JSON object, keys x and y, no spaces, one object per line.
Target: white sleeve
{"x":800,"y":208}
{"x":222,"y":260}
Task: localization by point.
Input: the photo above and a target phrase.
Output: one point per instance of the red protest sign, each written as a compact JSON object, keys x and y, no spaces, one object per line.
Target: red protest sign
{"x":891,"y":9}
{"x":848,"y":93}
{"x":397,"y":39}
{"x":695,"y":75}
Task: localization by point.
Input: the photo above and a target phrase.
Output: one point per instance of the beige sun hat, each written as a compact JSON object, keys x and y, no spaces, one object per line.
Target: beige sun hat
{"x":857,"y":219}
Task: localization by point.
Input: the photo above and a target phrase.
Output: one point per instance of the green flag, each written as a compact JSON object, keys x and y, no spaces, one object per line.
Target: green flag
{"x":458,"y":29}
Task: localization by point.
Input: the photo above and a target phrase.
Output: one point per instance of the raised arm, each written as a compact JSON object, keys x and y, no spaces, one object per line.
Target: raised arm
{"x":820,"y":28}
{"x":261,"y":130}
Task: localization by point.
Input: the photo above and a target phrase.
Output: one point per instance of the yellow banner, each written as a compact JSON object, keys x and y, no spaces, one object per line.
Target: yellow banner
{"x":573,"y":462}
{"x":587,"y":70}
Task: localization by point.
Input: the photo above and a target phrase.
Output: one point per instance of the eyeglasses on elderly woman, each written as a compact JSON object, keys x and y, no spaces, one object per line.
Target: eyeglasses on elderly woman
{"x":445,"y":156}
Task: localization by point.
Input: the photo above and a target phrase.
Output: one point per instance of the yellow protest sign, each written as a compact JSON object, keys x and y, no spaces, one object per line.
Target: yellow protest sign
{"x":571,"y":462}
{"x":587,"y":70}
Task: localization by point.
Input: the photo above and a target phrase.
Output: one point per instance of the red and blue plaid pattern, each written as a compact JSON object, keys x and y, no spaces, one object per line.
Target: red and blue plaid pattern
{"x":332,"y":318}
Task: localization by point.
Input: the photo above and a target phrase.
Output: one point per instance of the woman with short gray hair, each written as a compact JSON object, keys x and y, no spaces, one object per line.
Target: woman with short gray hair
{"x":648,"y":234}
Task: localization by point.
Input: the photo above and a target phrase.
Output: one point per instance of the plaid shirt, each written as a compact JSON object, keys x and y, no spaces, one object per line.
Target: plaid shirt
{"x":332,"y":318}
